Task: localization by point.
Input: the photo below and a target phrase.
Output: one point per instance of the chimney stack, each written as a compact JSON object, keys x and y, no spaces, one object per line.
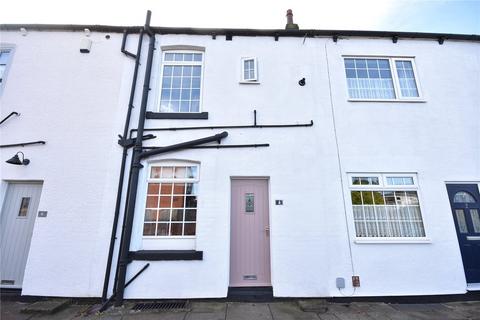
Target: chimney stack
{"x":290,"y":25}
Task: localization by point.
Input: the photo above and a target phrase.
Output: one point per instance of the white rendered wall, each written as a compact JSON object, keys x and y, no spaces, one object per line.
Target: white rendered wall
{"x":70,"y":100}
{"x":309,"y":241}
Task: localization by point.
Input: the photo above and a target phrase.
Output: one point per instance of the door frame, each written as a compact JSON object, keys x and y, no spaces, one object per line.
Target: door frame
{"x":267,"y":178}
{"x":457,"y":182}
{"x":5,"y":184}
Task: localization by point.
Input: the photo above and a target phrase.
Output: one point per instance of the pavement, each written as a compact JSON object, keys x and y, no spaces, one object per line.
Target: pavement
{"x":293,"y":309}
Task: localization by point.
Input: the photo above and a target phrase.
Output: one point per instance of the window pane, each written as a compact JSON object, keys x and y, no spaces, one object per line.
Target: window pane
{"x":169,"y":56}
{"x":152,"y":201}
{"x":191,"y":188}
{"x":162,"y":229}
{"x":149,"y":229}
{"x":166,"y":188}
{"x":399,"y":181}
{"x":155,"y":173}
{"x":389,"y":197}
{"x":378,"y":198}
{"x":164,"y":215}
{"x":24,"y":207}
{"x":412,"y":197}
{"x":367,"y":197}
{"x":153,"y":188}
{"x":369,"y":79}
{"x":167,"y":172}
{"x":406,"y":78}
{"x":197,"y":57}
{"x":189,"y":229}
{"x":178,"y":202}
{"x":356,"y":197}
{"x":355,"y":180}
{"x":191,"y":202}
{"x":177,"y":215}
{"x":190,"y":215}
{"x":176,"y":229}
{"x":462,"y":223}
{"x":463,"y":197}
{"x":150,"y":215}
{"x":165,"y":202}
{"x":179,"y":188}
{"x":192,"y":172}
{"x":475,"y":220}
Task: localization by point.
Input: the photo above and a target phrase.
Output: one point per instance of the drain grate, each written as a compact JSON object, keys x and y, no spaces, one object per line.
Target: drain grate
{"x":161,"y":306}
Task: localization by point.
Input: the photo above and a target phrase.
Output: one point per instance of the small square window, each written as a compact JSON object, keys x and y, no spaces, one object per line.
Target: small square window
{"x":249,"y":70}
{"x":5,"y":58}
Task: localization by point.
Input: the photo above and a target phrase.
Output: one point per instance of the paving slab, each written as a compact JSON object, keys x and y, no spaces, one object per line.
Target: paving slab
{"x":208,"y":307}
{"x":290,"y":311}
{"x":467,"y":309}
{"x":68,"y":313}
{"x":205,"y":316}
{"x":207,"y":311}
{"x":327,"y":316}
{"x":416,"y":307}
{"x":154,"y":316}
{"x":46,"y":306}
{"x":313,"y":305}
{"x":10,"y":310}
{"x":346,"y":311}
{"x":243,"y":311}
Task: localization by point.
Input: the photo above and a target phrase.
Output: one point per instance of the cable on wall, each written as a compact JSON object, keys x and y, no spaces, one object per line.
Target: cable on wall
{"x":340,"y":168}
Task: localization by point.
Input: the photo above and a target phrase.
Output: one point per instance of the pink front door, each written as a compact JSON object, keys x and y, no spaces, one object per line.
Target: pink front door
{"x":250,"y":234}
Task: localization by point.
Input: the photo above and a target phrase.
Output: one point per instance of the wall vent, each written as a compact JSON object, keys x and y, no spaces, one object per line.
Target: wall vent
{"x":161,"y":306}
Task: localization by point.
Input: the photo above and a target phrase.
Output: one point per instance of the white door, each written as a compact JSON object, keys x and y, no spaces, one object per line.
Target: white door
{"x":17,"y":219}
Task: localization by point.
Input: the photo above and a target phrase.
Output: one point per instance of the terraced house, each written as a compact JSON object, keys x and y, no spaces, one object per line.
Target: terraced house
{"x":305,"y":163}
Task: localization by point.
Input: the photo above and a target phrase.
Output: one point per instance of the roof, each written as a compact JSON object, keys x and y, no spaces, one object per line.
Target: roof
{"x":244,"y":32}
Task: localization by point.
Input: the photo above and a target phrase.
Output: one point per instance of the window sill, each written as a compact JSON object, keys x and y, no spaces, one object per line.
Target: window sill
{"x":166,"y":255}
{"x":249,"y":82}
{"x":393,"y":241}
{"x":177,"y":115}
{"x":388,"y":100}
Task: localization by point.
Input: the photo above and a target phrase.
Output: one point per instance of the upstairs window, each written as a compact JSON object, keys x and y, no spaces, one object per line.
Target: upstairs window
{"x":171,"y":204}
{"x":181,"y":81}
{"x":386,"y":206}
{"x":5,"y":55}
{"x":381,"y":79}
{"x":249,"y":70}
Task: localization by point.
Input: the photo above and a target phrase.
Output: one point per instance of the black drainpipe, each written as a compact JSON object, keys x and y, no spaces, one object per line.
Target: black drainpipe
{"x":124,"y":158}
{"x":134,"y":172}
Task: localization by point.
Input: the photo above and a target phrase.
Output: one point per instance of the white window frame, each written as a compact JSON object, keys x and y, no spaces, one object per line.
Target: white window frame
{"x":181,"y":63}
{"x":172,"y":180}
{"x":383,"y":185}
{"x":11,"y":50}
{"x":255,"y":70}
{"x":395,"y":79}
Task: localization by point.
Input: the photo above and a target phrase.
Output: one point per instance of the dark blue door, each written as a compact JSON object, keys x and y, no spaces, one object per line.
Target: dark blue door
{"x":465,"y":203}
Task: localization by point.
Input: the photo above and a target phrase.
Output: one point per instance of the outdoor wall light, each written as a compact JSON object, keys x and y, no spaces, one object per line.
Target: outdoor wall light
{"x":301,"y":82}
{"x":16,"y":160}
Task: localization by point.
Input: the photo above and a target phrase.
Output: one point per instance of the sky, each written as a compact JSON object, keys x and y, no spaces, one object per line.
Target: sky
{"x":442,"y":16}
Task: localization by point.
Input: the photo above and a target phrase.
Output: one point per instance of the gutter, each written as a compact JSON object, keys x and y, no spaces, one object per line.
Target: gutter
{"x":230,"y":32}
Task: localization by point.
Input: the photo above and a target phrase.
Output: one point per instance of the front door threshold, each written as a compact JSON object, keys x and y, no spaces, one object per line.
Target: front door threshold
{"x":473,"y":286}
{"x":250,"y":294}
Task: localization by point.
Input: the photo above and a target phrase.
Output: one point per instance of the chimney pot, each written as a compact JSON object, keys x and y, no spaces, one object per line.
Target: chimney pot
{"x":290,"y":25}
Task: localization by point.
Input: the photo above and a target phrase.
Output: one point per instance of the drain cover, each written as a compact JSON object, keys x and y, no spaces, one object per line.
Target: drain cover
{"x":161,"y":306}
